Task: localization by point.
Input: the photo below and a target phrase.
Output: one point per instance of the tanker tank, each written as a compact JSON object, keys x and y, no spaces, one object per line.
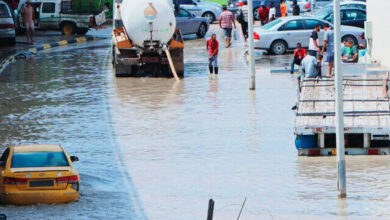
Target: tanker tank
{"x":148,"y":43}
{"x":148,"y":20}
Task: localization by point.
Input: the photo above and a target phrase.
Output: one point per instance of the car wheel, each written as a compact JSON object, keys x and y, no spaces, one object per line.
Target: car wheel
{"x":210,"y":16}
{"x":82,"y":31}
{"x":202,"y":30}
{"x":12,"y":41}
{"x":279,"y":47}
{"x":256,"y":14}
{"x":350,"y":38}
{"x":68,"y":28}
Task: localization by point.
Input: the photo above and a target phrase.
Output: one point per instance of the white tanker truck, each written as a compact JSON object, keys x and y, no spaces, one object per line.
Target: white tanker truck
{"x":148,"y":39}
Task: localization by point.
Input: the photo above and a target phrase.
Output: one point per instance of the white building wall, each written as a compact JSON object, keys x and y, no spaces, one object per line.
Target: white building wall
{"x":378,"y":11}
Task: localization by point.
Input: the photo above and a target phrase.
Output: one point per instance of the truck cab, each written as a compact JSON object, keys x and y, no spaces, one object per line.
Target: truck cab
{"x":60,"y":15}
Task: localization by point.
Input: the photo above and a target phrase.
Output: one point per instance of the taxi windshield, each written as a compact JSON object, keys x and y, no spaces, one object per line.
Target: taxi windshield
{"x":39,"y":159}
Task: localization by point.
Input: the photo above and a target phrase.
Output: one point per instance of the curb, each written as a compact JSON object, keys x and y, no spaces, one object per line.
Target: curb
{"x":32,"y":51}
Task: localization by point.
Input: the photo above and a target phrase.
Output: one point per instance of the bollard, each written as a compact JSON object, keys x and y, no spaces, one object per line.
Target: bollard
{"x":210,"y":212}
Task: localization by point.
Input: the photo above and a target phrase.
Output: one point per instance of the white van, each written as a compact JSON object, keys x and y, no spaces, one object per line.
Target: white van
{"x":59,"y":15}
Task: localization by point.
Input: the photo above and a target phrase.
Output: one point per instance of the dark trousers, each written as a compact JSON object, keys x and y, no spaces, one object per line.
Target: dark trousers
{"x":293,"y":62}
{"x":244,"y":28}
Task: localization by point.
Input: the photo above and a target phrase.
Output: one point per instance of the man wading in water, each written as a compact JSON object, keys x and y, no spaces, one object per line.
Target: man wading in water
{"x":212,"y":48}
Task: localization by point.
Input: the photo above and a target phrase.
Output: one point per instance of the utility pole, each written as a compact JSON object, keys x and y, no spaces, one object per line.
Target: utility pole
{"x":341,"y":176}
{"x":252,"y":70}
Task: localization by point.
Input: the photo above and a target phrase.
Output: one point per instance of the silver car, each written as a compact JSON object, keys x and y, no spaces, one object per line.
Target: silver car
{"x":7,"y":26}
{"x":283,"y":34}
{"x":209,"y":10}
{"x":188,"y":23}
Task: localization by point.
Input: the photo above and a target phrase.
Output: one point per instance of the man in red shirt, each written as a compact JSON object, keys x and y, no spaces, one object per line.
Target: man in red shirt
{"x":212,"y":47}
{"x":299,"y":54}
{"x":263,"y":14}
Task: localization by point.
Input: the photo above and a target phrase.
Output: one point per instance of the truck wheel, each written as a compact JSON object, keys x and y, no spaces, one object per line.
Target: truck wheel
{"x":202,"y":30}
{"x":82,"y":31}
{"x":68,"y":28}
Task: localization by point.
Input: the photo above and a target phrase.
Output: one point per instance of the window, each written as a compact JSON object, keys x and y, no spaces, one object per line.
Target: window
{"x":39,"y":159}
{"x":4,"y":157}
{"x":271,"y":24}
{"x":4,"y":13}
{"x":360,"y":6}
{"x":48,"y":7}
{"x":311,"y":24}
{"x":353,"y":15}
{"x":293,"y":25}
{"x":183,"y":13}
{"x":186,"y":2}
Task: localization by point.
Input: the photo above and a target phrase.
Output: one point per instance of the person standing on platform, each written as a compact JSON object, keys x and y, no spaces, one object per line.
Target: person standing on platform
{"x":329,"y":47}
{"x":314,"y":41}
{"x":212,"y":47}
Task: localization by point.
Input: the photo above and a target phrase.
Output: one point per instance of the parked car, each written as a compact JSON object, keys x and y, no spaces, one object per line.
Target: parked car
{"x":349,"y":16}
{"x":188,"y":23}
{"x":304,"y":5}
{"x":350,"y":4}
{"x":209,"y":10}
{"x":32,"y":174}
{"x":283,"y":34}
{"x":7,"y":26}
{"x":256,"y":5}
{"x":60,"y":15}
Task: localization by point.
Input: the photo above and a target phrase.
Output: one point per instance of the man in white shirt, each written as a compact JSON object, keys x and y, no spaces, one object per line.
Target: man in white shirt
{"x":272,"y":12}
{"x":117,"y":14}
{"x":314,"y":41}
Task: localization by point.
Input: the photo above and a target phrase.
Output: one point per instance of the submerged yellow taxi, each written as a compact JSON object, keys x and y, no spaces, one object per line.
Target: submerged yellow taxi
{"x":31,"y":174}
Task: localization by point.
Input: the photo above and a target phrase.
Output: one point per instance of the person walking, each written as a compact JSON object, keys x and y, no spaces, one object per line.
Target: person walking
{"x":242,"y":18}
{"x":117,"y":14}
{"x":272,"y":12}
{"x":212,"y":47}
{"x":314,"y":41}
{"x":263,"y":14}
{"x":226,"y":22}
{"x":283,"y":8}
{"x":329,"y":47}
{"x":296,"y":10}
{"x":299,"y":55}
{"x":28,"y":21}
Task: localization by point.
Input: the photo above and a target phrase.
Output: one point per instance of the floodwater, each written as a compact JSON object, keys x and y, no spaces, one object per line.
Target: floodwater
{"x":156,"y":149}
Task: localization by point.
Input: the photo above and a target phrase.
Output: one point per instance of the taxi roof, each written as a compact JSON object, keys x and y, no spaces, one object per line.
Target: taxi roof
{"x":36,"y":148}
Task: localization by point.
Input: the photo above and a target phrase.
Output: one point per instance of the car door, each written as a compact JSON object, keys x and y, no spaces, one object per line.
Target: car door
{"x":353,"y":17}
{"x":293,"y":32}
{"x":310,"y":24}
{"x":3,"y":161}
{"x":192,"y":6}
{"x":47,"y":17}
{"x":183,"y":21}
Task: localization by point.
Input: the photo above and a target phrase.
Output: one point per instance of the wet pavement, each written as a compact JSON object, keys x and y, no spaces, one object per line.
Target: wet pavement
{"x":159,"y":149}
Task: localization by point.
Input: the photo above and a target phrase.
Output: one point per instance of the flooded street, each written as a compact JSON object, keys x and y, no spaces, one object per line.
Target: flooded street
{"x":153,"y":148}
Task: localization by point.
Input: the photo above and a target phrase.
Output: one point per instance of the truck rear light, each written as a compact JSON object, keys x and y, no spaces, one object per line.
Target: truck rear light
{"x":91,"y":21}
{"x":373,"y":152}
{"x":13,"y":181}
{"x":240,"y":4}
{"x":313,"y":152}
{"x":4,"y":26}
{"x":307,"y":6}
{"x":68,"y":179}
{"x":256,"y":36}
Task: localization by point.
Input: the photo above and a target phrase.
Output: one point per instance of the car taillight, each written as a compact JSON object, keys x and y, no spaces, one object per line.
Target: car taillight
{"x":373,"y":152}
{"x":68,"y":179}
{"x":3,"y":26}
{"x":91,"y":21}
{"x":13,"y":181}
{"x":307,"y":6}
{"x":256,"y":36}
{"x":313,"y":152}
{"x":240,"y":4}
